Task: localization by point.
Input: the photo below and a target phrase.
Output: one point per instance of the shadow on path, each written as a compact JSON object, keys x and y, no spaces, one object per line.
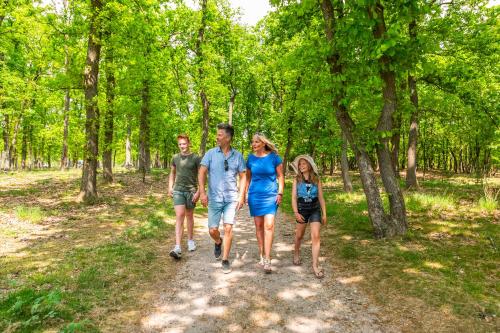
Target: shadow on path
{"x":291,"y":299}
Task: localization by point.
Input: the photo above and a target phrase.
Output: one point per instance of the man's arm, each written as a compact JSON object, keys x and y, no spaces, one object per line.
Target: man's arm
{"x":171,"y":180}
{"x":202,"y":179}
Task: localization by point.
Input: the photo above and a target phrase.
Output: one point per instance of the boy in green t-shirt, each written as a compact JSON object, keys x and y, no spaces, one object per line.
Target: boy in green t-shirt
{"x":183,"y":188}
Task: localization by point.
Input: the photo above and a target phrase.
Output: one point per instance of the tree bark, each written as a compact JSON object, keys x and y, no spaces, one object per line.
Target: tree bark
{"x":24,"y":146}
{"x":107,"y":163}
{"x":88,"y":190}
{"x":205,"y":103}
{"x":5,"y":158}
{"x":411,"y":170}
{"x":383,"y":225}
{"x":291,"y":117}
{"x":385,"y":124}
{"x":128,"y":147}
{"x":67,"y":99}
{"x":344,"y":166}
{"x":144,"y":134}
{"x":232,"y":99}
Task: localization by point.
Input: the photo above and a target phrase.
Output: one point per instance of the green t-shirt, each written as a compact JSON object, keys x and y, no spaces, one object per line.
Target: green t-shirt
{"x":186,"y":172}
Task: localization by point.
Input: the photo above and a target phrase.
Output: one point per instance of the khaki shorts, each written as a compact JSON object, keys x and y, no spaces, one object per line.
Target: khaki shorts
{"x":182,"y":198}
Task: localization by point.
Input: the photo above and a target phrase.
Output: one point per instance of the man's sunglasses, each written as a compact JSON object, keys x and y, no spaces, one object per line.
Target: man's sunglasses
{"x":226,"y":165}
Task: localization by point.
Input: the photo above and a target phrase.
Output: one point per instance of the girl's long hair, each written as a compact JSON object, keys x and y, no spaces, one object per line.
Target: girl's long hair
{"x":269,"y":146}
{"x":313,"y":178}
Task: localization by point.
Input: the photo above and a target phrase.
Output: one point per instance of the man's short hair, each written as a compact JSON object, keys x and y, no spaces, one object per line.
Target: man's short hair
{"x":227,"y":128}
{"x":183,"y":136}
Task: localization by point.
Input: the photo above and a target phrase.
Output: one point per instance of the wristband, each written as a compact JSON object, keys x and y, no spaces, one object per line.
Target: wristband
{"x":281,"y":194}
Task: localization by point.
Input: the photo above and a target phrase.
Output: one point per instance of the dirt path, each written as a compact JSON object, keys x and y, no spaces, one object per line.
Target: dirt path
{"x":291,"y":299}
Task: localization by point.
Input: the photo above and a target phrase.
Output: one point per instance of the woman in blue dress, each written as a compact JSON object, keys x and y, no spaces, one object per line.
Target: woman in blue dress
{"x":265,"y":184}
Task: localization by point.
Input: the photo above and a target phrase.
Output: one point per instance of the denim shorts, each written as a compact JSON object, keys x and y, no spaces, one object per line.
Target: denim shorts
{"x":182,"y":198}
{"x":216,"y":210}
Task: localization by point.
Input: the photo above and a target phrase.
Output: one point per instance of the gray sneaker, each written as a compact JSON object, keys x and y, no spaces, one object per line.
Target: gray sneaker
{"x":218,"y":250}
{"x":176,"y":254}
{"x":226,"y":266}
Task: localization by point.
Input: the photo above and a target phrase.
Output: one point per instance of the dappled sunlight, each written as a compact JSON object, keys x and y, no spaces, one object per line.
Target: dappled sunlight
{"x":291,"y":294}
{"x":434,"y":265}
{"x":346,"y":237}
{"x":247,"y":298}
{"x":351,"y":279}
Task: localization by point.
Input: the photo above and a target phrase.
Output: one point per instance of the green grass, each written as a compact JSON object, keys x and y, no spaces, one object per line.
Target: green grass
{"x":448,"y":259}
{"x":29,"y":214}
{"x":58,"y":286}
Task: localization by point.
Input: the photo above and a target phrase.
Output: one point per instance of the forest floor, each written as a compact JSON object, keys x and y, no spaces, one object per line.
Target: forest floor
{"x":69,"y":267}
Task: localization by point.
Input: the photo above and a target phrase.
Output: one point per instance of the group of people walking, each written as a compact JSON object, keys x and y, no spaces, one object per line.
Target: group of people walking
{"x":232,"y":182}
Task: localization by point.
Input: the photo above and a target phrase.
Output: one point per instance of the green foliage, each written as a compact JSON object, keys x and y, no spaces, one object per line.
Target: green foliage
{"x":31,"y":308}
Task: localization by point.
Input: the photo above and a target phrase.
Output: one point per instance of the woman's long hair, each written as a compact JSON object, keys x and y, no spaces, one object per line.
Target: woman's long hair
{"x":268,"y":145}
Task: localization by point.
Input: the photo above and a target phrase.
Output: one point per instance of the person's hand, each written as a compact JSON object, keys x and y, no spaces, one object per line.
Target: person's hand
{"x":323,"y":219}
{"x":204,"y":199}
{"x":196,"y":196}
{"x":299,"y":217}
{"x":171,"y":193}
{"x":241,"y":203}
{"x":279,"y":198}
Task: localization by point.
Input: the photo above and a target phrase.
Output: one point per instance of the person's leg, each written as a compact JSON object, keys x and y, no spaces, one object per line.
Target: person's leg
{"x":190,"y":222}
{"x":228,"y":239}
{"x":315,"y":229}
{"x":268,"y":235}
{"x":229,"y":215}
{"x":259,"y":233}
{"x":300,"y":229}
{"x":214,"y":214}
{"x":190,"y":227}
{"x":180,"y":214}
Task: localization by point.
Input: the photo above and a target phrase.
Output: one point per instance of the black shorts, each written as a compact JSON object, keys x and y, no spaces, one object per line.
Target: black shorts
{"x":310,"y":215}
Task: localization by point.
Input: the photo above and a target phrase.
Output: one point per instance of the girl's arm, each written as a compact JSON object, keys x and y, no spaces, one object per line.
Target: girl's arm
{"x":248,"y":179}
{"x":298,"y":217}
{"x":281,"y":183}
{"x":322,"y":203}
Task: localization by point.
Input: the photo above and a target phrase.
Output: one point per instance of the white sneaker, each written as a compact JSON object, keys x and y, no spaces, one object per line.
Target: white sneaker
{"x":191,"y":245}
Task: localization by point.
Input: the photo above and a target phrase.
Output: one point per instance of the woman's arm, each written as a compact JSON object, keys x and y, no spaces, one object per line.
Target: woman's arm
{"x":295,"y":209}
{"x":281,"y":183}
{"x":322,"y":202}
{"x":248,"y":179}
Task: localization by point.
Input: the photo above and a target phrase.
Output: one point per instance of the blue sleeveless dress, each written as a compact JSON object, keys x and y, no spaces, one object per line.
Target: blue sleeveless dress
{"x":263,"y":187}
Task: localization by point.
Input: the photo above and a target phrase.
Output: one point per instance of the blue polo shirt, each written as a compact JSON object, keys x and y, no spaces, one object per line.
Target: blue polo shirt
{"x":222,"y":184}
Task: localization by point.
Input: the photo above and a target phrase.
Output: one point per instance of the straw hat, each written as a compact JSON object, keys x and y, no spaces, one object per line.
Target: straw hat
{"x":295,"y":164}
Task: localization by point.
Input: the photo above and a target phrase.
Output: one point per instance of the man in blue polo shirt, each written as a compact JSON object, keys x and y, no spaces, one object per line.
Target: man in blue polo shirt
{"x":222,"y":164}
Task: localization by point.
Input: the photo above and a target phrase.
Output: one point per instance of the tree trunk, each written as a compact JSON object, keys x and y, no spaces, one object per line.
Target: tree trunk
{"x":5,"y":158}
{"x":205,"y":103}
{"x":411,"y":171}
{"x":107,"y":163}
{"x":88,"y":190}
{"x":144,"y":135}
{"x":344,"y":166}
{"x":396,"y":201}
{"x":376,"y":212}
{"x":24,"y":146}
{"x":384,"y":226}
{"x":232,"y":98}
{"x":64,"y":153}
{"x":128,"y":148}
{"x":13,"y":144}
{"x":291,"y":117}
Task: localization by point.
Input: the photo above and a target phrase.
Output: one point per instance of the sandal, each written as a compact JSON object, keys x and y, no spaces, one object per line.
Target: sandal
{"x":267,"y":266}
{"x":319,"y":274}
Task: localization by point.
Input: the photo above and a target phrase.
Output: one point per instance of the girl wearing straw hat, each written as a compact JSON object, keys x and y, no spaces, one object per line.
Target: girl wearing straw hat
{"x":308,"y":206}
{"x":265,"y":183}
